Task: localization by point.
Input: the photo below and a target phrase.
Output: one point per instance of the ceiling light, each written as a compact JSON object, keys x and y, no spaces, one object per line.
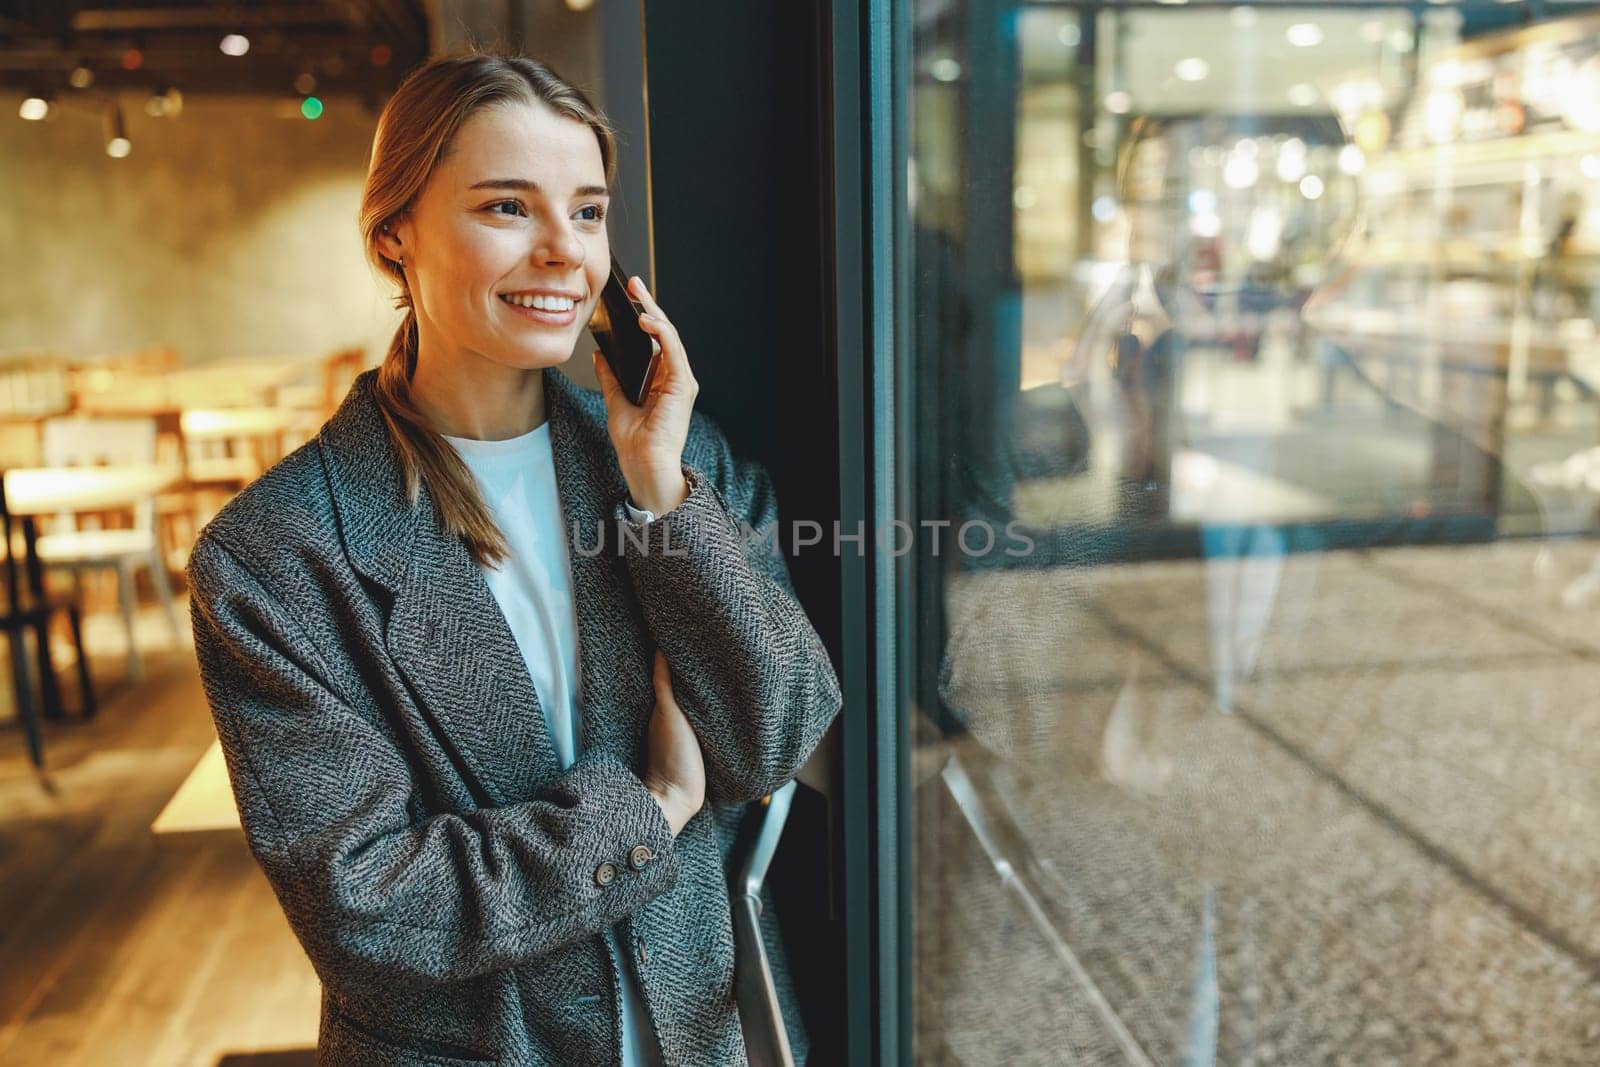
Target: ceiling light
{"x":34,"y":108}
{"x":1292,"y":160}
{"x":1264,"y":236}
{"x":1311,"y":187}
{"x":1193,"y":69}
{"x":1241,"y":172}
{"x":117,"y":143}
{"x":165,"y":102}
{"x":1304,"y":34}
{"x":1358,"y":96}
{"x":1352,"y":159}
{"x":1441,"y":116}
{"x":81,"y":77}
{"x":234,"y":44}
{"x":1372,"y":132}
{"x":1303,"y":95}
{"x":1119,"y":102}
{"x":1448,"y":74}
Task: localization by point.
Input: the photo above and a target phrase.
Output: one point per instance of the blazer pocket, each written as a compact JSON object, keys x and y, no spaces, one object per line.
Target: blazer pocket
{"x":356,"y":1044}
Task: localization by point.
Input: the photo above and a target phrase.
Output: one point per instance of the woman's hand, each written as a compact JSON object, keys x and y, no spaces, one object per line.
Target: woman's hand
{"x":676,"y":775}
{"x":649,"y":437}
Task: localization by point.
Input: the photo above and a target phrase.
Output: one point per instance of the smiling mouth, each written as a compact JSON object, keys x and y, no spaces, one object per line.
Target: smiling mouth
{"x":547,"y":315}
{"x":554,"y":304}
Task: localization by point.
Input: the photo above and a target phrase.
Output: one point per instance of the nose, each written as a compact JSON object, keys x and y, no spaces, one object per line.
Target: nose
{"x":560,"y":245}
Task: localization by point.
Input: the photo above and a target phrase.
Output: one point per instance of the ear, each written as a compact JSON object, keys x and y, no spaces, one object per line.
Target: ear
{"x":394,"y":237}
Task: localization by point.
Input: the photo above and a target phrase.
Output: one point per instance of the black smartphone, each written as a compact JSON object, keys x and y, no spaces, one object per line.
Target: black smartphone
{"x":629,"y":351}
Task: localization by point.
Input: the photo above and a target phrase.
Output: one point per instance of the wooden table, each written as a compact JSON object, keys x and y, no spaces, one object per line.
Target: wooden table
{"x":203,"y":423}
{"x":33,"y":491}
{"x":257,"y":437}
{"x":204,"y":801}
{"x":230,"y":384}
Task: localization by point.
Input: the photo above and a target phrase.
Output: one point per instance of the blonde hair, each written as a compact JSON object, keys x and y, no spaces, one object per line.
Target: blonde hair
{"x":415,"y":131}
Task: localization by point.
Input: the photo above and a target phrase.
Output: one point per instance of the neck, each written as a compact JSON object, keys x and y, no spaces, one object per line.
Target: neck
{"x":477,"y":398}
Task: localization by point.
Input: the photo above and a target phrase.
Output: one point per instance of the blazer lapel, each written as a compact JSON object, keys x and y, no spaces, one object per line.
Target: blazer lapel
{"x":614,"y":655}
{"x":445,"y":630}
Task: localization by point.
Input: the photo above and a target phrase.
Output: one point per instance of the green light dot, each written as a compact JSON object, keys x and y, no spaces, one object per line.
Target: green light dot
{"x":311,"y":107}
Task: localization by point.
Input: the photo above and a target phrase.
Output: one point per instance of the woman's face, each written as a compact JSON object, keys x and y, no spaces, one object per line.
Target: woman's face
{"x":515,"y":210}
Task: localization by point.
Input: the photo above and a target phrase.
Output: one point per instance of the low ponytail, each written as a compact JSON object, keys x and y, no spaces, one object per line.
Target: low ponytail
{"x":427,"y":457}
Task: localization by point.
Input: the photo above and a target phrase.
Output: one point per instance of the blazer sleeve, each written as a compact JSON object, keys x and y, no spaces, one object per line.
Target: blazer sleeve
{"x":374,"y":894}
{"x":747,"y":666}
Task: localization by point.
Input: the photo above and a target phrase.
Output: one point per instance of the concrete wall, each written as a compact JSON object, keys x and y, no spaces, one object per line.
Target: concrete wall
{"x":229,"y":232}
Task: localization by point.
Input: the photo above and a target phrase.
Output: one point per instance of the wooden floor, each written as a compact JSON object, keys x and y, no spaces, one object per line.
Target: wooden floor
{"x":119,"y":946}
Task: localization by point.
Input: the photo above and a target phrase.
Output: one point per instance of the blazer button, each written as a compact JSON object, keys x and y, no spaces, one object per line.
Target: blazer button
{"x":640,"y":856}
{"x":605,"y":874}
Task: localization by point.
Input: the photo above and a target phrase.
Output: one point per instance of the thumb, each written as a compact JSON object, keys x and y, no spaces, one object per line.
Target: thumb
{"x":662,"y":678}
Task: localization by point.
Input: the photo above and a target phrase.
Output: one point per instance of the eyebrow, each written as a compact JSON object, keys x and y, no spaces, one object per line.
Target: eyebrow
{"x":533,"y":187}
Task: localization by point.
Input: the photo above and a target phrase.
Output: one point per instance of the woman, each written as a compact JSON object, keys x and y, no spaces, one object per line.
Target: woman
{"x":488,"y":723}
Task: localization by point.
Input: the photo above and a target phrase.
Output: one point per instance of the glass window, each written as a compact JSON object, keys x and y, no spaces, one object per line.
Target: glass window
{"x":1256,"y":374}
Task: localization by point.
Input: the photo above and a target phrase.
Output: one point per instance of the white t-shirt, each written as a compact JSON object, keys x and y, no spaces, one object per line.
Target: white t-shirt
{"x":533,"y":587}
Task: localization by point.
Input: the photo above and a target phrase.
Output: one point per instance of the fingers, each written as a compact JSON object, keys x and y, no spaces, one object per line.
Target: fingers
{"x":662,"y":677}
{"x":666,"y":702}
{"x":640,"y":293}
{"x":661,"y":327}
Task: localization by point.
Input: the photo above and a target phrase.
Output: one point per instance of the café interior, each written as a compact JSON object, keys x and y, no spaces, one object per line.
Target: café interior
{"x":185,"y":302}
{"x":1276,"y":751}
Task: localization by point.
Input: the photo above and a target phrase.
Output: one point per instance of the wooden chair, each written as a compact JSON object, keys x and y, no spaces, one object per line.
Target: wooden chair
{"x":19,"y":443}
{"x":34,"y":611}
{"x":315,"y":402}
{"x":338,"y":375}
{"x":76,"y":441}
{"x":34,"y":386}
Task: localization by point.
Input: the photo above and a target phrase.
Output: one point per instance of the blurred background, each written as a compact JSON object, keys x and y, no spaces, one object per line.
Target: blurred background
{"x":1274,"y":326}
{"x":1269,"y":328}
{"x":185,"y":300}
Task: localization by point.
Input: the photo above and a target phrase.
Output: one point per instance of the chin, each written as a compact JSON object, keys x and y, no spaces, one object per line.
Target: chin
{"x":536,"y":356}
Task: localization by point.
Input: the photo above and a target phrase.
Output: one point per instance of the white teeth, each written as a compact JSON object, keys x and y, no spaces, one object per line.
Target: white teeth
{"x":543,"y":303}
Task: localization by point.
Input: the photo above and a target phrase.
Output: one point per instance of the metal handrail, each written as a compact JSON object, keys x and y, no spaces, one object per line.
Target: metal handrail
{"x":761,"y":1017}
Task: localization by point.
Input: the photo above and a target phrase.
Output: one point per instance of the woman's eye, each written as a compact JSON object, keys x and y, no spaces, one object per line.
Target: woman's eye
{"x":599,"y":213}
{"x":496,"y":207}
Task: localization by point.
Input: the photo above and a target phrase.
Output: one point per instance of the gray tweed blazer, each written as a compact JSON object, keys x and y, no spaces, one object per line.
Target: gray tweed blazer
{"x":396,"y":782}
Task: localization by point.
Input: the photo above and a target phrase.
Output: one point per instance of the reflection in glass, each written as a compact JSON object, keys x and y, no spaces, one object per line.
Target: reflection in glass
{"x":1274,"y":328}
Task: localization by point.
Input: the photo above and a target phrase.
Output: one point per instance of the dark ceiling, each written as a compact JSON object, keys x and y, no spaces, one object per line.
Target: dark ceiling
{"x":355,"y":46}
